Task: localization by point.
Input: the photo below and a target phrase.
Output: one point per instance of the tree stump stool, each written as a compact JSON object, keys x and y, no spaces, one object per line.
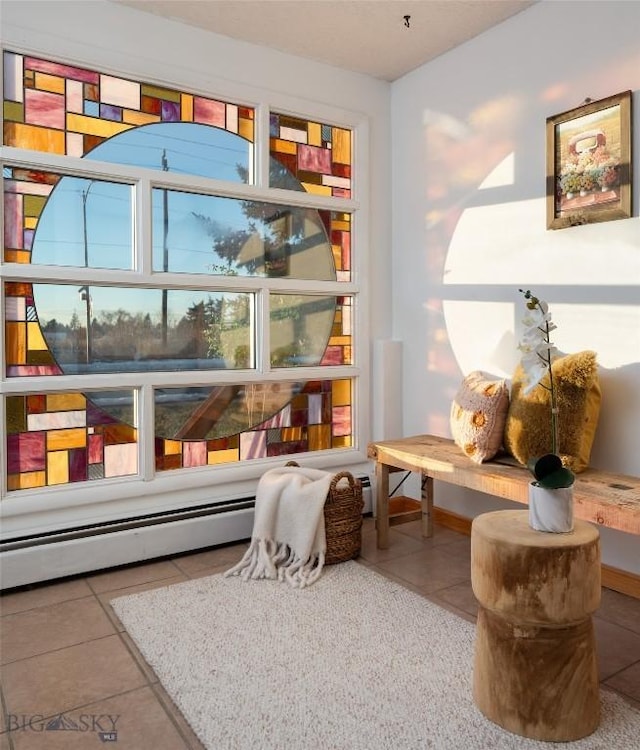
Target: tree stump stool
{"x":535,"y":670}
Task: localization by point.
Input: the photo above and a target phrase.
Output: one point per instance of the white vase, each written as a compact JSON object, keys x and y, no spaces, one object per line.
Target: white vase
{"x":550,"y":510}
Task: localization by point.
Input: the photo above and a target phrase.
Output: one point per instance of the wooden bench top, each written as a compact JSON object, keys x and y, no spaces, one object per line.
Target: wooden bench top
{"x":606,"y":499}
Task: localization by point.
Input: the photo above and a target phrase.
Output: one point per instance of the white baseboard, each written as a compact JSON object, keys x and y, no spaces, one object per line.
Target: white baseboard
{"x":58,"y":559}
{"x":48,"y":558}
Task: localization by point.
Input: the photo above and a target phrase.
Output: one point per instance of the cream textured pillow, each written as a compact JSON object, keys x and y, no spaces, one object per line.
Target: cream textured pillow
{"x":528,"y":428}
{"x":478,"y":415}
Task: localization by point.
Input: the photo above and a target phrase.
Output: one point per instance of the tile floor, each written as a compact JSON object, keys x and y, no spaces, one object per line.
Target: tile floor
{"x":64,"y":651}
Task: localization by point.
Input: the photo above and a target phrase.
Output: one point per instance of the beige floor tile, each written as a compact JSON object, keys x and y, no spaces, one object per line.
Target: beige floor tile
{"x":43,"y":629}
{"x":430,"y":569}
{"x":620,"y":609}
{"x":461,"y":597}
{"x":70,"y":678}
{"x":617,"y":648}
{"x":392,"y":577}
{"x":139,"y":659}
{"x":451,"y":608}
{"x":441,"y":535}
{"x":627,"y":681}
{"x":368,"y":522}
{"x":214,"y":559}
{"x":106,"y":596}
{"x":132,"y":575}
{"x":42,"y":595}
{"x":460,"y":548}
{"x":399,"y":546}
{"x":178,"y":718}
{"x":137,"y":717}
{"x":4,"y":742}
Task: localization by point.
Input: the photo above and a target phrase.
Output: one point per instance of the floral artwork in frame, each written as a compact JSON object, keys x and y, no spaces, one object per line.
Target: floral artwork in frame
{"x":589,"y":163}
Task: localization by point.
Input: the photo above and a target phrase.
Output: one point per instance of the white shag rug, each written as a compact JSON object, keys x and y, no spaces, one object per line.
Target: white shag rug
{"x":354,"y":662}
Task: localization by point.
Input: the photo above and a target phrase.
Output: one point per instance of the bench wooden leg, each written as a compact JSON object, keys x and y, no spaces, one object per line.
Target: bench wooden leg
{"x":426,"y":495}
{"x":382,"y":505}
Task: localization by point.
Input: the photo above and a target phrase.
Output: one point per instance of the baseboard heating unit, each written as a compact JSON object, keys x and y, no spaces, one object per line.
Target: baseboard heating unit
{"x":35,"y":558}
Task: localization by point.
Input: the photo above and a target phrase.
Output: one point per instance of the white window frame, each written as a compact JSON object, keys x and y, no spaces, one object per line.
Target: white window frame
{"x":58,"y":507}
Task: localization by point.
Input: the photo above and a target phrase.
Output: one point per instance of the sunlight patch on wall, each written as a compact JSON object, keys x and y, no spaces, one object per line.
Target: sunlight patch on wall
{"x":482,"y":335}
{"x":508,"y":242}
{"x":503,"y":174}
{"x":612,"y":331}
{"x":508,"y":245}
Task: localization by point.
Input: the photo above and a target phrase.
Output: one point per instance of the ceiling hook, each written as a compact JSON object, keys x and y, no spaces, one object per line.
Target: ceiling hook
{"x":406,"y":21}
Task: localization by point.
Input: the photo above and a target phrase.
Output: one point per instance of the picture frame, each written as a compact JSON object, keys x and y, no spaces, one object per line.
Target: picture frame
{"x":589,"y":175}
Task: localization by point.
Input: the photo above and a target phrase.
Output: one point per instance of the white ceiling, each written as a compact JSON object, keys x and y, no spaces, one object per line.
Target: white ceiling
{"x":365,"y":36}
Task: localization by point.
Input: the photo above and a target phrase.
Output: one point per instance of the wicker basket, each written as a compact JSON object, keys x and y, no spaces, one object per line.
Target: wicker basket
{"x":342,"y":517}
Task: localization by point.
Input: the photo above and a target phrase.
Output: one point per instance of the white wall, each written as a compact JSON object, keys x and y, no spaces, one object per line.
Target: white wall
{"x":468,"y":145}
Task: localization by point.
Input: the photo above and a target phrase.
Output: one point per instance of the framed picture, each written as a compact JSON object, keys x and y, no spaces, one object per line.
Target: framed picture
{"x":589,"y":163}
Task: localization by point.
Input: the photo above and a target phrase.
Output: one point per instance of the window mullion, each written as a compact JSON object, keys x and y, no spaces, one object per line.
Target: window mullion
{"x":143,"y":248}
{"x":262,"y":146}
{"x":146,"y":432}
{"x":262,"y":332}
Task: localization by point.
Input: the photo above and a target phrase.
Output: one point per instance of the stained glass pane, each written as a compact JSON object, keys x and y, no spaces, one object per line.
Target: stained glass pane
{"x":25,"y":196}
{"x":227,"y":424}
{"x":61,"y":438}
{"x":310,"y":330}
{"x":319,"y":155}
{"x":69,"y":110}
{"x":129,"y":330}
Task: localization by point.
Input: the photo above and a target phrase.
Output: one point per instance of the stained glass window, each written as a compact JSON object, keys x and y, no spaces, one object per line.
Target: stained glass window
{"x":65,"y":109}
{"x":319,"y":155}
{"x":167,"y":262}
{"x":60,"y":438}
{"x":260,"y":420}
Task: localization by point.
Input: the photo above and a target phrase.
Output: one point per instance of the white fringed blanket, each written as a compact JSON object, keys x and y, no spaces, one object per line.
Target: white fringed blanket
{"x":288,"y":540}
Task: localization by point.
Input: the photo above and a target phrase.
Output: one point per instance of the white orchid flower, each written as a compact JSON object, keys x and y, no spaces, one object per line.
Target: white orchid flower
{"x":537,"y":318}
{"x":538,"y":352}
{"x":533,"y":318}
{"x":534,"y":376}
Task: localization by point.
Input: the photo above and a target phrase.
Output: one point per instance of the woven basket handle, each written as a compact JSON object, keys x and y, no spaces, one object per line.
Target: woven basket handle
{"x":341,"y":475}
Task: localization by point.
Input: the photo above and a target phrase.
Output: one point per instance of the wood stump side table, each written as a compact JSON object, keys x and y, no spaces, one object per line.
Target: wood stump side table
{"x":535,"y":670}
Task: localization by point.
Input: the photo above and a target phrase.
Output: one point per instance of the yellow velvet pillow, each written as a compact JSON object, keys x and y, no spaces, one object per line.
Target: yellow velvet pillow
{"x":478,"y":414}
{"x":528,"y":427}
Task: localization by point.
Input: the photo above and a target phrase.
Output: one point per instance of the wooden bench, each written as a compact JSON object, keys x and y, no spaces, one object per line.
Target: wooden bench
{"x":603,"y":498}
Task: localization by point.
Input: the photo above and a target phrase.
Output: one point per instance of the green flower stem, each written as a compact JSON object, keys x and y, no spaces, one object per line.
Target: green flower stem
{"x":554,"y":402}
